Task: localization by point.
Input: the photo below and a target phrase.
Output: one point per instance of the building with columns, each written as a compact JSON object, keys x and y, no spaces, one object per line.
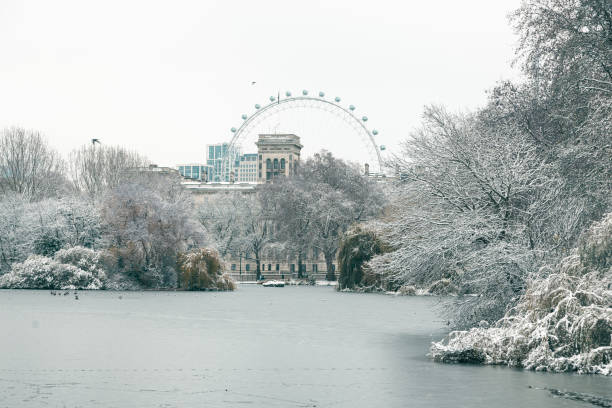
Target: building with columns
{"x":279,"y":154}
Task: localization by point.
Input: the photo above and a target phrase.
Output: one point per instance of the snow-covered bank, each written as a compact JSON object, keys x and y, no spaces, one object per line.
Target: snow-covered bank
{"x":562,"y":323}
{"x":84,"y":268}
{"x":442,"y":287}
{"x":73,"y":268}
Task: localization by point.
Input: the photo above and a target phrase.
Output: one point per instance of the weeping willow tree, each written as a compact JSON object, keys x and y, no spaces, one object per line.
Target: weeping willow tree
{"x":201,"y":269}
{"x":357,"y":247}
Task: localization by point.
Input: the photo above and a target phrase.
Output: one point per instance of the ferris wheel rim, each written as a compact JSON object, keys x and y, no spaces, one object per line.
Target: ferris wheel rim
{"x":249,"y":119}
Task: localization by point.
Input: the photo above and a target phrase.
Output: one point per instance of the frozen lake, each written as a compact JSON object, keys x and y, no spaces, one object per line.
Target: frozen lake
{"x":258,"y":347}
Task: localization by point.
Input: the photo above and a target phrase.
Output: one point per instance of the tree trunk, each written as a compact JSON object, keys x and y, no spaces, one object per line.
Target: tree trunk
{"x":329,"y":262}
{"x":258,"y":267}
{"x":299,"y":265}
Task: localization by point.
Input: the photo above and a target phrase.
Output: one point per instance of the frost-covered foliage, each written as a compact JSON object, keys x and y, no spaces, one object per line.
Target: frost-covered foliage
{"x":320,"y":202}
{"x":488,"y":198}
{"x":291,"y":217}
{"x":138,"y":220}
{"x":202,"y":269}
{"x":29,"y":166}
{"x":95,"y":169}
{"x":44,"y":227}
{"x":40,"y":272}
{"x":596,"y":245}
{"x":562,"y":323}
{"x":462,"y":213}
{"x":84,"y":258}
{"x":147,"y":223}
{"x":357,"y":247}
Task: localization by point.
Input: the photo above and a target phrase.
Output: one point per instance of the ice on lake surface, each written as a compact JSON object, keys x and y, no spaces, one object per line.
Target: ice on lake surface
{"x":258,"y":347}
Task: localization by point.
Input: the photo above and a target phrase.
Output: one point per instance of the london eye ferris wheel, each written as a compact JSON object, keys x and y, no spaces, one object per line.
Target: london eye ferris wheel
{"x":321,"y":122}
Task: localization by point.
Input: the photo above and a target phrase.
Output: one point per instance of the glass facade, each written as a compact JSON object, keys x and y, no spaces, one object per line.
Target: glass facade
{"x":198,"y":172}
{"x":215,"y":155}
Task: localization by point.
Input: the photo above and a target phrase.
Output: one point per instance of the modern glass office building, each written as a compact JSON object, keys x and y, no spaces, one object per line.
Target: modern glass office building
{"x":195,"y":171}
{"x":215,"y":154}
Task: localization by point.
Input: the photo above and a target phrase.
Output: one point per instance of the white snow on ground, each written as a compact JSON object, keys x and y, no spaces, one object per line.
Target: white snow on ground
{"x":326,"y":283}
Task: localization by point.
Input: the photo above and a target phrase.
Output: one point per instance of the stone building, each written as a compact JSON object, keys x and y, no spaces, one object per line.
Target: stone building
{"x":275,"y":266}
{"x":279,"y":154}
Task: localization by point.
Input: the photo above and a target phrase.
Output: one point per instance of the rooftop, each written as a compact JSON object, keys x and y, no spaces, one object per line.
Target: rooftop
{"x":285,"y":138}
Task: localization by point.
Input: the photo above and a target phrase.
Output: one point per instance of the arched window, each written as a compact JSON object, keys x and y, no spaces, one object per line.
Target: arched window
{"x":283,"y":164}
{"x":268,"y":164}
{"x":275,"y":164}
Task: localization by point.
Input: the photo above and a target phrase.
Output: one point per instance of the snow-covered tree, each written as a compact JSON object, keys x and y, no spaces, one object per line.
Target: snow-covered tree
{"x":486,"y":199}
{"x":94,"y":169}
{"x":40,"y":272}
{"x":562,"y":323}
{"x":239,"y":225}
{"x":316,"y":206}
{"x":221,"y":217}
{"x":45,"y":226}
{"x":28,"y":166}
{"x":462,"y":211}
{"x":147,"y":224}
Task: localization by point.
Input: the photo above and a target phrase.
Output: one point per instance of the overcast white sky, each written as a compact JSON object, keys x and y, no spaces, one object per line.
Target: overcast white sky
{"x":166,"y":78}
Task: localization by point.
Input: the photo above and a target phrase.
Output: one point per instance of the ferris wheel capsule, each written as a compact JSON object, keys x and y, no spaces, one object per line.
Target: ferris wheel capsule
{"x":337,"y":99}
{"x":272,"y":99}
{"x":375,"y":132}
{"x":382,"y":147}
{"x":257,"y":106}
{"x":352,"y":107}
{"x":288,"y":94}
{"x":365,"y":118}
{"x":233,"y":130}
{"x":321,"y":94}
{"x":304,"y":92}
{"x":244,"y":116}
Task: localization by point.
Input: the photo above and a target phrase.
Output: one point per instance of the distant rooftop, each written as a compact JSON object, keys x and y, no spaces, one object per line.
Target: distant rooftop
{"x":278,"y":138}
